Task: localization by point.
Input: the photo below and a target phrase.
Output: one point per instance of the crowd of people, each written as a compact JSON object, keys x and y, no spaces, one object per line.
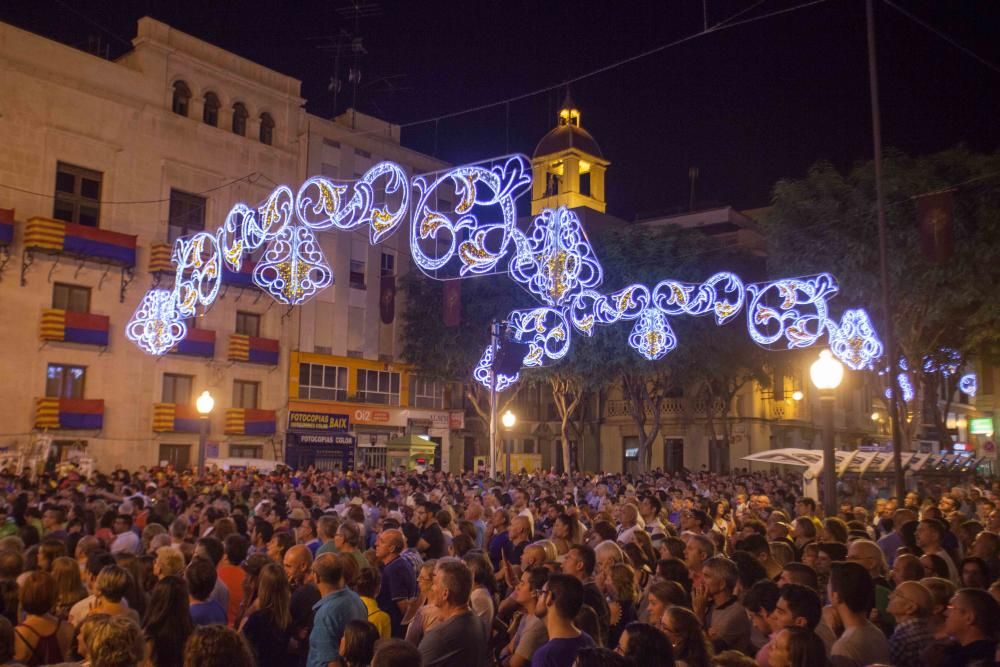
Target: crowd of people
{"x":167,"y":568}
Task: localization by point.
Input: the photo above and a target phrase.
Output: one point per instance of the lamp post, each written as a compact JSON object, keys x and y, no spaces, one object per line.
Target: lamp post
{"x":826,"y":373}
{"x":204,"y":405}
{"x":509,"y":419}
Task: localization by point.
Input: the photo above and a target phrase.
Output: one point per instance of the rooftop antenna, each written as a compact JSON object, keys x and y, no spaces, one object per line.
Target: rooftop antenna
{"x":348,"y":43}
{"x":693,"y":177}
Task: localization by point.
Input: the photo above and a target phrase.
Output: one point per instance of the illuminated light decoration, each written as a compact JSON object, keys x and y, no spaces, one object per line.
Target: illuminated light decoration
{"x":854,"y":341}
{"x":545,"y":330}
{"x":483,"y":373}
{"x":481,"y":232}
{"x":320,"y":203}
{"x":967,"y":384}
{"x":199,"y":271}
{"x":769,"y":323}
{"x":155,"y":326}
{"x":677,"y":298}
{"x":652,"y":335}
{"x":293,"y":268}
{"x":947,"y":361}
{"x":905,"y":386}
{"x":554,"y":260}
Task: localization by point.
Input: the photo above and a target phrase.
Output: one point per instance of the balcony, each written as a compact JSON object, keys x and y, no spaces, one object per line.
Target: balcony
{"x":670,"y":408}
{"x":67,"y":326}
{"x":6,"y":226}
{"x":250,"y":421}
{"x":69,"y":414}
{"x":242,"y":278}
{"x":196,"y":343}
{"x":174,"y":418}
{"x":253,"y":350}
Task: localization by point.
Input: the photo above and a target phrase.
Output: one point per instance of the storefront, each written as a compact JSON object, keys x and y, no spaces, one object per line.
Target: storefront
{"x":321,"y":440}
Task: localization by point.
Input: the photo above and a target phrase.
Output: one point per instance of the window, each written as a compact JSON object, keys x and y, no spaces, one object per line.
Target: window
{"x":245,"y":394}
{"x":388,"y":267}
{"x":321,"y":382}
{"x":179,"y":456}
{"x":246,"y":451}
{"x":378,"y":387}
{"x":585,"y":184}
{"x":332,"y":143}
{"x":428,"y":393}
{"x":177,"y":388}
{"x":359,"y":255}
{"x":187,"y":214}
{"x":247,"y":324}
{"x":182,"y":98}
{"x":240,"y":117}
{"x":266,"y":129}
{"x":64,"y":381}
{"x":210,"y":111}
{"x":78,"y":195}
{"x":71,"y":297}
{"x":362,"y":153}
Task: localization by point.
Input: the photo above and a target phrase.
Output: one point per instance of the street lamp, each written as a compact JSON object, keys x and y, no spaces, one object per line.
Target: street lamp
{"x":204,"y":405}
{"x":508,"y":419}
{"x":826,"y":373}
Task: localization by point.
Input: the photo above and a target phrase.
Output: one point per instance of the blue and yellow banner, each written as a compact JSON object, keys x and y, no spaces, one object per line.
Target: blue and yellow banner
{"x":70,"y":327}
{"x":79,"y":240}
{"x":253,"y":349}
{"x":197,"y":343}
{"x":6,"y":226}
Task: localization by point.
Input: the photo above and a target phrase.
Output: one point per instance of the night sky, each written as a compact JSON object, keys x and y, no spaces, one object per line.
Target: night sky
{"x":748,"y":105}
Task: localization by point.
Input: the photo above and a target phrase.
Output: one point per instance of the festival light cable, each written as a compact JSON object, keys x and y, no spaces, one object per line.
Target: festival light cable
{"x":476,"y":234}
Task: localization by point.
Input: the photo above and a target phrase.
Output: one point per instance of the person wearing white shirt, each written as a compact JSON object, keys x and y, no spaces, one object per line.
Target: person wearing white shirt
{"x":126,"y":541}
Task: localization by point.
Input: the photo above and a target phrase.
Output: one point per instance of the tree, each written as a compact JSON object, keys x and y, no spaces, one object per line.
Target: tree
{"x":451,"y":353}
{"x":827,"y":222}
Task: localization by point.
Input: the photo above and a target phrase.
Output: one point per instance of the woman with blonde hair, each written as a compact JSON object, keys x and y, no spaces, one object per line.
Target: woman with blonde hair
{"x":423,"y":614}
{"x":69,"y":585}
{"x":112,"y":584}
{"x":266,"y":628}
{"x":115,"y":642}
{"x":217,"y":646}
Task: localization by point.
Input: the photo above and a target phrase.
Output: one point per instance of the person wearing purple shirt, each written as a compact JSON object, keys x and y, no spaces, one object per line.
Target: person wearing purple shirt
{"x":559,"y":602}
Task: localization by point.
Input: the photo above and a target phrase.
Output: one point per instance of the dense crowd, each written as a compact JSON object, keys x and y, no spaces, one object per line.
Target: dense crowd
{"x":306,"y":569}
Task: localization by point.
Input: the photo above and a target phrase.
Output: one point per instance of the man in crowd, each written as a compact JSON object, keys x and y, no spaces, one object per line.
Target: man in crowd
{"x":297,"y":564}
{"x":973,"y":621}
{"x":201,"y":578}
{"x":852,"y":595}
{"x":930,"y":538}
{"x":911,"y":604}
{"x":891,"y":542}
{"x":558,"y":605}
{"x":399,"y":582}
{"x":338,"y":605}
{"x":726,"y":620}
{"x":580,"y":563}
{"x":458,"y":639}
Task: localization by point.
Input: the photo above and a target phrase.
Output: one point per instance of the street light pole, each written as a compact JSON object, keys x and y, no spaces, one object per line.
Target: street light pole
{"x":888,"y":334}
{"x":491,"y":469}
{"x":204,"y":405}
{"x":509,"y":419}
{"x":827,"y":373}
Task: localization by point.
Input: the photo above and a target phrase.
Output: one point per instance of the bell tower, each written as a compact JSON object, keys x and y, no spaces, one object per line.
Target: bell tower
{"x":568,"y":166}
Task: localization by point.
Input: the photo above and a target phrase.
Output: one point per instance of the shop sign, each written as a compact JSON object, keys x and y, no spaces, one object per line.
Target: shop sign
{"x":456,"y":421}
{"x":317,"y":422}
{"x":321,"y":440}
{"x":439,"y":420}
{"x":981,"y":426}
{"x":369,"y":416}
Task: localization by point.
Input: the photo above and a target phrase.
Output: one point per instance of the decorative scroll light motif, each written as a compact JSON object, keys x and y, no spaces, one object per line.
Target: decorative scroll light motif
{"x":293,"y":268}
{"x":554,"y":260}
{"x":483,"y":373}
{"x":545,"y":330}
{"x":199,"y":272}
{"x":652,"y":335}
{"x":967,"y":384}
{"x":478,"y":228}
{"x":320,"y":203}
{"x":155,"y":326}
{"x":769,"y":322}
{"x":854,"y":341}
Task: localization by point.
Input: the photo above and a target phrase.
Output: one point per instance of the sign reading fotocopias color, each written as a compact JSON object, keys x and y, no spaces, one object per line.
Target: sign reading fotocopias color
{"x":317,"y":422}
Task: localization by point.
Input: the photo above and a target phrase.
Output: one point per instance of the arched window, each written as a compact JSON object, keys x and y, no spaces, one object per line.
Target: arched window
{"x":240,"y":116}
{"x":182,"y":98}
{"x":266,"y":129}
{"x":210,"y":113}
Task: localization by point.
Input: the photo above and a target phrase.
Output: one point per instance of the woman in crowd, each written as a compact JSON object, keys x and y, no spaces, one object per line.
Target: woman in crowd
{"x":624,"y":600}
{"x":565,"y":533}
{"x":796,"y":646}
{"x":112,"y":584}
{"x":357,"y":645}
{"x":135,"y":593}
{"x":41,"y":638}
{"x":422,"y":614}
{"x":661,"y":596}
{"x":115,"y":642}
{"x":483,"y":587}
{"x":942,"y":591}
{"x":691,"y":646}
{"x":646,"y":646}
{"x":218,"y":646}
{"x":266,"y":628}
{"x":69,"y":585}
{"x":934,"y":566}
{"x":168,"y":622}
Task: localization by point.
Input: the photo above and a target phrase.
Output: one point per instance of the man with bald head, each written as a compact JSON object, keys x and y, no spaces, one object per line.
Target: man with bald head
{"x":399,"y":581}
{"x":297,"y":563}
{"x":911,"y":604}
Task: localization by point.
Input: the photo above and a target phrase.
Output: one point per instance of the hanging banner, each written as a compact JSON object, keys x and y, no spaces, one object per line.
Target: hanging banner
{"x":452,"y":303}
{"x":387,"y":299}
{"x":935,"y":213}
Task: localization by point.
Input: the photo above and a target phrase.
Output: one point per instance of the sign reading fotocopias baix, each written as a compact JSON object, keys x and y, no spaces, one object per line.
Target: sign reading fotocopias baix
{"x":317,"y":422}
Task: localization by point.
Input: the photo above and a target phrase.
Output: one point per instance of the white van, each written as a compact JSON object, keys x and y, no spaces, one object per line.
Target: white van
{"x":263,"y":465}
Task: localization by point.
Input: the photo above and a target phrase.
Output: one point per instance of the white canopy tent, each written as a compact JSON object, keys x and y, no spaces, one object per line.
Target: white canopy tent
{"x":861,"y":462}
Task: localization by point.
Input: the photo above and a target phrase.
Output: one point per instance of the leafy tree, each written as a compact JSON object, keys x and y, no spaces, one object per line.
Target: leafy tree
{"x":827,"y":222}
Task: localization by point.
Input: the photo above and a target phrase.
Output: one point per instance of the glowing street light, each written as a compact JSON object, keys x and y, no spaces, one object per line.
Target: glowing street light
{"x":827,"y":373}
{"x":797,"y":395}
{"x":508,"y":419}
{"x":204,"y":405}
